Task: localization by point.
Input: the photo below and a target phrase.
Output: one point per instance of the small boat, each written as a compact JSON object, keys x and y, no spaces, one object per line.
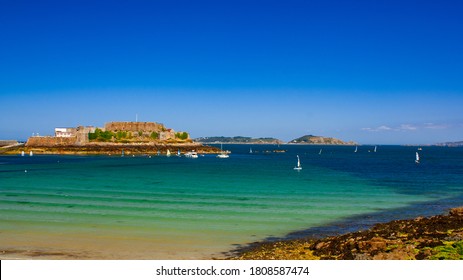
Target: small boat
{"x":22,"y":153}
{"x":420,"y":149}
{"x":356,"y":148}
{"x":320,"y":152}
{"x":222,"y":154}
{"x":250,"y":150}
{"x":298,"y":166}
{"x":168,"y":153}
{"x":31,"y":153}
{"x":178,"y":152}
{"x":417,"y":158}
{"x":122,"y":153}
{"x":191,"y":154}
{"x":374,"y":149}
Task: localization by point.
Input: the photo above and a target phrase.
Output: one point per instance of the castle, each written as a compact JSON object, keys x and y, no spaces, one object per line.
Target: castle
{"x":118,"y":132}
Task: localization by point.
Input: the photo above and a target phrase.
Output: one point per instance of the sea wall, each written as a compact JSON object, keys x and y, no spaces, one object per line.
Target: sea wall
{"x":49,"y":141}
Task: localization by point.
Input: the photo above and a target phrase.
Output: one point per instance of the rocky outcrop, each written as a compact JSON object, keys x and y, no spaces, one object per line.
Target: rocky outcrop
{"x":437,"y":237}
{"x":320,"y":140}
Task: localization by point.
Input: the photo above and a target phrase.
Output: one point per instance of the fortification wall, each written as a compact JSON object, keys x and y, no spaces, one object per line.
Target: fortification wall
{"x":134,"y":126}
{"x":49,"y":141}
{"x":8,"y":142}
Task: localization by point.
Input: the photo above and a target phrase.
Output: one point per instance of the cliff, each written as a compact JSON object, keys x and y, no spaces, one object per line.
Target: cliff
{"x":319,"y":140}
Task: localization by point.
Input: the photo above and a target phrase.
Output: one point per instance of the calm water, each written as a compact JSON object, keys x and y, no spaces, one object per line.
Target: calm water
{"x":181,"y":208}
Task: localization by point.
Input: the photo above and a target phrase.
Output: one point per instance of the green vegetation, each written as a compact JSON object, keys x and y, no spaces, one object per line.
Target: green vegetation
{"x":154,"y":135}
{"x":181,"y":135}
{"x":100,"y":135}
{"x":449,"y":251}
{"x":120,"y":135}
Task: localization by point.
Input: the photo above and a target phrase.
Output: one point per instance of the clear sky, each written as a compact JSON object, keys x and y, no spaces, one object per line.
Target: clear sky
{"x":379,"y":72}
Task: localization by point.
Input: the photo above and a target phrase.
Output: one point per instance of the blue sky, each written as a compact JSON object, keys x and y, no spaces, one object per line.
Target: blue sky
{"x":385,"y":72}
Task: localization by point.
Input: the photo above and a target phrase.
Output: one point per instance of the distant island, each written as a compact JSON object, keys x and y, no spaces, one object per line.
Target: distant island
{"x":451,"y":144}
{"x":237,"y":140}
{"x":320,"y":140}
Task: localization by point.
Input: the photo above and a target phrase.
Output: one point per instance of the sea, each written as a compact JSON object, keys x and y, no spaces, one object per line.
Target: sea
{"x":158,"y":207}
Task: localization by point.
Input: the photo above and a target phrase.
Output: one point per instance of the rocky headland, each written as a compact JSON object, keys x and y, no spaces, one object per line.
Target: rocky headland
{"x":320,"y":140}
{"x":433,"y":238}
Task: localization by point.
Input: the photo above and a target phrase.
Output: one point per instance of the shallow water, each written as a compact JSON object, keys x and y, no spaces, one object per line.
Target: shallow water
{"x":181,"y":208}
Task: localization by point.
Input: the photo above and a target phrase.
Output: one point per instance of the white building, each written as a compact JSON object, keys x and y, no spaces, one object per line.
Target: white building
{"x":65,"y":132}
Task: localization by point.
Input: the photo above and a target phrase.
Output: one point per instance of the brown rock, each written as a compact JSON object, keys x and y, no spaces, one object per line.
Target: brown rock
{"x":456,"y":212}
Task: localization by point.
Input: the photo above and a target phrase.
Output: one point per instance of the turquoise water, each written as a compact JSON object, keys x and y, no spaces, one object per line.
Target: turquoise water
{"x":183,"y":208}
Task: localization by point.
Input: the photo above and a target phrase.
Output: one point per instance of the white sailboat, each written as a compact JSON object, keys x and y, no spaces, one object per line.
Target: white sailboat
{"x":417,"y":158}
{"x":298,"y":166}
{"x":178,"y":153}
{"x":320,"y":152}
{"x":168,"y":153}
{"x":374,"y":149}
{"x":31,"y":153}
{"x":250,"y":150}
{"x":222,"y":154}
{"x":356,"y":148}
{"x":22,"y":153}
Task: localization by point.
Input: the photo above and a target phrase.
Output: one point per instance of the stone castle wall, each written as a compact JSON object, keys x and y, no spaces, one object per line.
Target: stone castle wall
{"x":49,"y":141}
{"x":134,"y":126}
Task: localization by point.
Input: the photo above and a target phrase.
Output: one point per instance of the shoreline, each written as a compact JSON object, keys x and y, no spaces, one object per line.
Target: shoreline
{"x":436,"y":237}
{"x":113,"y":149}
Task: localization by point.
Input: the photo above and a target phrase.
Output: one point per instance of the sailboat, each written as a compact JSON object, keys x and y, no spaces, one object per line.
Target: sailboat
{"x":22,"y":153}
{"x":298,"y":166}
{"x":374,"y":149}
{"x":250,"y":150}
{"x":320,"y":152}
{"x":168,"y":153}
{"x":417,"y":159}
{"x":178,"y":152}
{"x":31,"y":154}
{"x":356,"y":148}
{"x":222,"y":154}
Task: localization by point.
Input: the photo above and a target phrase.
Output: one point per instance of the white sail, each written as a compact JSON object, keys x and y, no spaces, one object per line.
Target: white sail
{"x":320,"y":152}
{"x":22,"y":153}
{"x":417,"y":159}
{"x":374,"y":149}
{"x":31,"y":153}
{"x":355,"y":149}
{"x":168,"y":153}
{"x":298,"y":167}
